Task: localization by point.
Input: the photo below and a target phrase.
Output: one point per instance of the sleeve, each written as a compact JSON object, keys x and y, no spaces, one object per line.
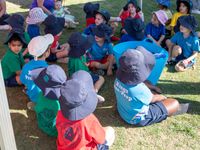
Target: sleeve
{"x":147,"y":29}
{"x":97,"y":132}
{"x":196,"y":46}
{"x":174,"y":38}
{"x":88,"y":30}
{"x":55,"y":42}
{"x":144,"y":94}
{"x":14,"y":65}
{"x":163,"y":30}
{"x":173,"y":21}
{"x":110,"y":49}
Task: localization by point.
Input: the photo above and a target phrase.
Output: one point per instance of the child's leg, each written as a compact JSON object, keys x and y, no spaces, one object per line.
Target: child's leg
{"x":152,"y":87}
{"x":110,"y":135}
{"x":110,"y":64}
{"x":176,"y":50}
{"x":169,"y":45}
{"x":171,"y":105}
{"x":98,"y":84}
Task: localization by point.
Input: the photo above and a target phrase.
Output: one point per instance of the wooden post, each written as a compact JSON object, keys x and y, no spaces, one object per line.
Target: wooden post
{"x":7,"y":139}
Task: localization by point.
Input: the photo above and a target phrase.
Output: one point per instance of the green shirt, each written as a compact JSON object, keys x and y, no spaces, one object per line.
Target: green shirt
{"x":11,"y":63}
{"x":46,"y":111}
{"x":76,"y":64}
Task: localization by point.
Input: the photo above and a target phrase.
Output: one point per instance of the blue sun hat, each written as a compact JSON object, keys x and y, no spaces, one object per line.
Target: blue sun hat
{"x":164,"y":3}
{"x":49,"y":80}
{"x":135,"y":66}
{"x":78,"y":98}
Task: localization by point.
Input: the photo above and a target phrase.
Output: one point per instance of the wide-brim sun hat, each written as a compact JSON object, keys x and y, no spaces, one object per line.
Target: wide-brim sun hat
{"x":164,"y":3}
{"x":162,"y":16}
{"x":54,"y":25}
{"x":16,"y":21}
{"x":188,"y":22}
{"x":78,"y":98}
{"x":135,"y":66}
{"x":79,"y":44}
{"x":18,"y":32}
{"x":49,"y":80}
{"x":135,"y":28}
{"x":38,"y":45}
{"x":105,"y":14}
{"x":36,"y":15}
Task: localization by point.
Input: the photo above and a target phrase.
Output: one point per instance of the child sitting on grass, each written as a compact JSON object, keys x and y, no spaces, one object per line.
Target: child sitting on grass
{"x":135,"y":102}
{"x":184,"y":46}
{"x":54,"y":25}
{"x":100,"y":55}
{"x":49,"y":80}
{"x":60,"y":11}
{"x":39,"y":48}
{"x":77,"y":126}
{"x":13,"y":61}
{"x":35,"y":18}
{"x":79,"y":44}
{"x":101,"y":17}
{"x":183,"y":8}
{"x":90,"y":9}
{"x":155,"y":30}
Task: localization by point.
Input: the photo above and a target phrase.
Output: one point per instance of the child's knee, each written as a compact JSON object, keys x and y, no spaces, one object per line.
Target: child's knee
{"x":101,"y":79}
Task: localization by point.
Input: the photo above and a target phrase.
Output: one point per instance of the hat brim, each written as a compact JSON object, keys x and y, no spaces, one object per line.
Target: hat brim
{"x":57,"y":28}
{"x":99,"y":12}
{"x":78,"y":51}
{"x":34,"y":21}
{"x":135,"y":77}
{"x":21,"y":36}
{"x":52,"y":92}
{"x":81,"y":111}
{"x":186,"y":24}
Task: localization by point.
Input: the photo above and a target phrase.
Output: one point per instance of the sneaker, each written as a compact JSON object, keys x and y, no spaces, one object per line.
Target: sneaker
{"x":30,"y":105}
{"x":101,"y":99}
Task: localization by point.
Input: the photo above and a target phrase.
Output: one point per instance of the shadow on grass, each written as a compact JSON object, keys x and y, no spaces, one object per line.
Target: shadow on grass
{"x":178,"y":87}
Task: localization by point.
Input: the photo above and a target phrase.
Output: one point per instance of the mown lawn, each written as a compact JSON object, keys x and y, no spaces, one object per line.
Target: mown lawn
{"x":180,"y":132}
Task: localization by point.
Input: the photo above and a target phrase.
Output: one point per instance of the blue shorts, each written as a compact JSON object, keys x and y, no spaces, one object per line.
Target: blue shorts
{"x":102,"y":146}
{"x":95,"y":77}
{"x":11,"y":81}
{"x":157,"y":113}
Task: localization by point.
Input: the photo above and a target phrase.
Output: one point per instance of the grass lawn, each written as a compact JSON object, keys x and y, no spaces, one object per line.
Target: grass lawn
{"x":180,"y":132}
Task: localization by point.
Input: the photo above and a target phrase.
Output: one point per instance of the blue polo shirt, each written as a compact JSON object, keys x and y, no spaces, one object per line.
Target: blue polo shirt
{"x":132,"y":101}
{"x":155,"y":31}
{"x":33,"y":30}
{"x":88,"y":30}
{"x":25,"y":77}
{"x":97,"y":52}
{"x":188,"y":45}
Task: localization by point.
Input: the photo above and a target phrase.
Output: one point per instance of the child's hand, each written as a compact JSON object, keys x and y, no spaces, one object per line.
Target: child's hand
{"x":185,"y":62}
{"x":87,"y":64}
{"x":109,"y":72}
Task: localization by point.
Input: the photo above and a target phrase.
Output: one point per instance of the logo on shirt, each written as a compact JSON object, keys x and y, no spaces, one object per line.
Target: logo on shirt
{"x":188,"y":44}
{"x":69,"y":134}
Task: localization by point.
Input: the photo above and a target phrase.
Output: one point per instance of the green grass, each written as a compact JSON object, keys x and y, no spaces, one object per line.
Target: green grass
{"x":180,"y":132}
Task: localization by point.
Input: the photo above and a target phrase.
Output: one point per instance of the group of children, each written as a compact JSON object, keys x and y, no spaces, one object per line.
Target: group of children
{"x":64,"y":104}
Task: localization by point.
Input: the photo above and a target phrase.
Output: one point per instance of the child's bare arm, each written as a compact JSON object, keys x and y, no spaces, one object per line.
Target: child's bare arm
{"x":194,"y":55}
{"x":18,"y":72}
{"x":158,"y":98}
{"x":25,"y":52}
{"x":161,"y":39}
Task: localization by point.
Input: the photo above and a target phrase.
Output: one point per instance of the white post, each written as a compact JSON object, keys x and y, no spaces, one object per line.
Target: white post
{"x":7,"y":139}
{"x":140,"y":4}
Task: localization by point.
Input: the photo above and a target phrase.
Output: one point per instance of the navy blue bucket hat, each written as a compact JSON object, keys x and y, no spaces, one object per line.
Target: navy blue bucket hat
{"x":79,"y":44}
{"x":16,"y":21}
{"x":105,"y":14}
{"x":49,"y":80}
{"x":54,"y":25}
{"x":17,"y":32}
{"x":135,"y":66}
{"x":90,"y":9}
{"x":165,"y":3}
{"x":102,"y":31}
{"x":135,"y":28}
{"x":188,"y":22}
{"x":78,"y":98}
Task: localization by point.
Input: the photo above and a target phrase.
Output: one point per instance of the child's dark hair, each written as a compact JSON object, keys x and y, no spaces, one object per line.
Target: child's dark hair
{"x":163,"y":6}
{"x":15,"y":37}
{"x":187,"y":3}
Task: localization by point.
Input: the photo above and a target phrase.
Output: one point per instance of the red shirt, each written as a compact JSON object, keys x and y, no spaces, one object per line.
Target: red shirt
{"x":55,"y":42}
{"x":126,"y":14}
{"x":82,"y":134}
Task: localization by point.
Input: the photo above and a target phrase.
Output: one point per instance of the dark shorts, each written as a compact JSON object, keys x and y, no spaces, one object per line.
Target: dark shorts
{"x":102,"y":146}
{"x":157,"y":113}
{"x":95,"y":77}
{"x":11,"y":81}
{"x":52,"y":57}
